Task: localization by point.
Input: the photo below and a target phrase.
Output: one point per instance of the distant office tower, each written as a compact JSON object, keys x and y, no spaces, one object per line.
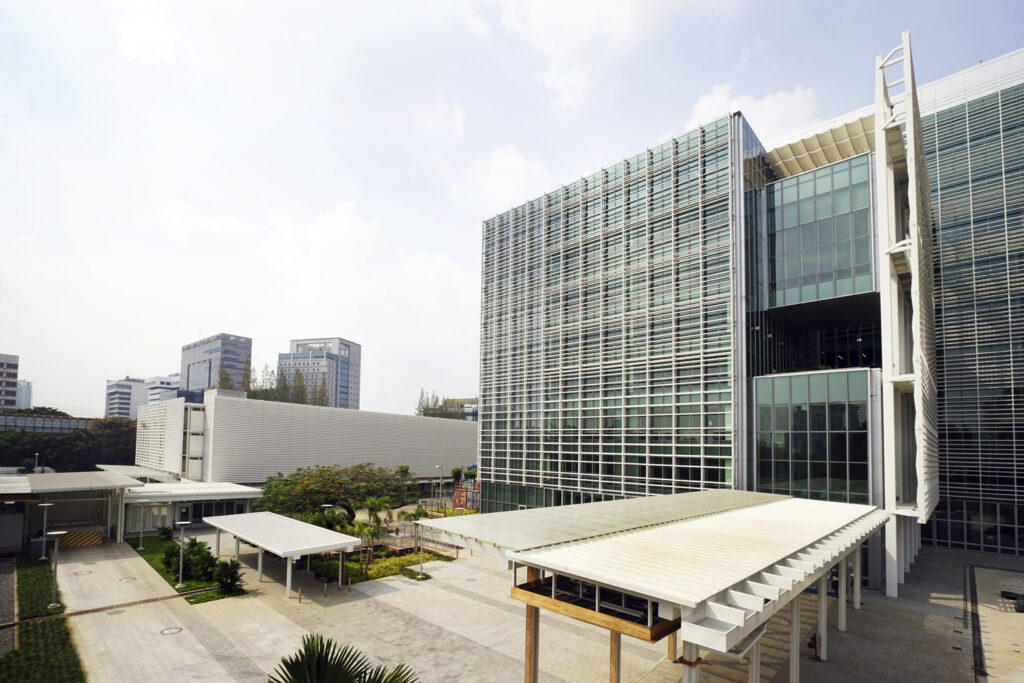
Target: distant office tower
{"x":332,"y":360}
{"x":202,"y":362}
{"x":124,"y":396}
{"x":162,"y":388}
{"x":8,"y":380}
{"x":24,"y":399}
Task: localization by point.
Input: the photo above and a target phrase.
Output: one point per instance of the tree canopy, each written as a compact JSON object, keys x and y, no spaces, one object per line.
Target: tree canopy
{"x":109,"y":441}
{"x":306,"y":489}
{"x":272,"y":386}
{"x":38,"y":410}
{"x":430,"y":405}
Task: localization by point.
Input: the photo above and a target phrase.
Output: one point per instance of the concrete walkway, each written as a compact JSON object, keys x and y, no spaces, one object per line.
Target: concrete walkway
{"x":462,"y":626}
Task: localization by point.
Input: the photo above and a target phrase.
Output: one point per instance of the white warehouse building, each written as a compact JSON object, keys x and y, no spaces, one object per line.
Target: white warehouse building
{"x":229,"y":438}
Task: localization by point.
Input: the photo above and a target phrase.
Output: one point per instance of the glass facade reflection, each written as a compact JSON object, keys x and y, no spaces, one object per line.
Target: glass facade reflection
{"x":813,"y":435}
{"x":820,"y":234}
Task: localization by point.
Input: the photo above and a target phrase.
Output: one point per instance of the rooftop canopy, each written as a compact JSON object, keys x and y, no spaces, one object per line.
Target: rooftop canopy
{"x":283,"y":536}
{"x":504,"y":532}
{"x":190,"y":490}
{"x":723,"y":561}
{"x":138,"y":472}
{"x":58,"y":482}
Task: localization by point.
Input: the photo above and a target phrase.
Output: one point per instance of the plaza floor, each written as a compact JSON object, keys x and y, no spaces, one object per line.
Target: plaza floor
{"x":462,"y":626}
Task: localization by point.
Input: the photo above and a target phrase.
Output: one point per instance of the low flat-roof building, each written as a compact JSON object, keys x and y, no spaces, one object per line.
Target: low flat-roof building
{"x":234,"y":439}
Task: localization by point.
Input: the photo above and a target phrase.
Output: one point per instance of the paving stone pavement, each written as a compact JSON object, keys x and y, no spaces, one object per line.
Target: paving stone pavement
{"x":462,"y":626}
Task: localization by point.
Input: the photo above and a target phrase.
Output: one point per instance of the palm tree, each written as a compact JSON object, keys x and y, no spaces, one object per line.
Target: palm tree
{"x":321,"y":660}
{"x":362,"y":531}
{"x":378,"y":513}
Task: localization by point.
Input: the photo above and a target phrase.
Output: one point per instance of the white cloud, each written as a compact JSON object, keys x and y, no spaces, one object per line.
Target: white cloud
{"x":504,"y":179}
{"x":441,"y":117}
{"x":771,"y":116}
{"x":577,"y":37}
{"x":184,"y":225}
{"x":143,"y":32}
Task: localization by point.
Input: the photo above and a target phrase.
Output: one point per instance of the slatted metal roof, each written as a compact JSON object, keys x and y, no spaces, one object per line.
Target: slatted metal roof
{"x":191,"y":490}
{"x":283,"y":536}
{"x":728,"y":561}
{"x":503,"y":532}
{"x":57,"y":482}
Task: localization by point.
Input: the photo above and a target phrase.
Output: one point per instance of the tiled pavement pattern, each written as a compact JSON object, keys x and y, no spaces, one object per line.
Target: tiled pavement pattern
{"x":461,"y":626}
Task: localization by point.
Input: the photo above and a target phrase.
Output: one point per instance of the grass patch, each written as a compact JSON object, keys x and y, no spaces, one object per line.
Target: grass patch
{"x":45,"y":651}
{"x":153,"y":553}
{"x":35,"y":588}
{"x":378,"y":568}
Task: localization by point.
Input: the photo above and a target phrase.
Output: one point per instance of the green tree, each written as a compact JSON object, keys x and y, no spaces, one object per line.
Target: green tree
{"x":456,"y":475}
{"x":282,"y":392}
{"x":429,"y":405}
{"x":38,"y":410}
{"x":224,"y":379}
{"x":247,"y":380}
{"x":306,"y":489}
{"x":321,"y":660}
{"x":379,"y":514}
{"x":318,"y":397}
{"x":299,"y":393}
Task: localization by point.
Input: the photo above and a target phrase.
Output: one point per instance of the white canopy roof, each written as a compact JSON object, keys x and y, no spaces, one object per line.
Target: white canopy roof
{"x":137,"y":471}
{"x":283,"y":536}
{"x":525,"y":529}
{"x":727,"y":559}
{"x":190,"y":490}
{"x":79,"y":481}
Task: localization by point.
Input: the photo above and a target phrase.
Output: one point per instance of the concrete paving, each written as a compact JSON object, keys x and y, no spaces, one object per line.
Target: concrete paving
{"x":462,"y":626}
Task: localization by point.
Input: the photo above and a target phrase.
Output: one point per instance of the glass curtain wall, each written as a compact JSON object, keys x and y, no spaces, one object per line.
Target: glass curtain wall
{"x":812,"y":435}
{"x":606,"y":344}
{"x":976,"y":166}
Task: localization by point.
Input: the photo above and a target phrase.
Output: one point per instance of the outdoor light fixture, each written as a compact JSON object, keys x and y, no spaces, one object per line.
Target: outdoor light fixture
{"x":56,"y":547}
{"x":46,"y":508}
{"x":181,"y":556}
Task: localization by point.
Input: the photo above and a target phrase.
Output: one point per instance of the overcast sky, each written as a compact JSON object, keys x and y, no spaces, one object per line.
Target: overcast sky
{"x":282,"y":170}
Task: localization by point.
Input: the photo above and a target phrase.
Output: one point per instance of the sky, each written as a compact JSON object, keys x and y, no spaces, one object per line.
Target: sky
{"x":171,"y":170}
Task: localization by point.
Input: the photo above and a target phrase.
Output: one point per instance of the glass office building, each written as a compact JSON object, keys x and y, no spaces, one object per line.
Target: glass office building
{"x":837,"y":315}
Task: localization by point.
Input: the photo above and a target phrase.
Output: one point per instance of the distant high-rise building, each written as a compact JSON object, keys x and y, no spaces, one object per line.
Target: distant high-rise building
{"x":124,"y":396}
{"x":331,"y":360}
{"x":162,"y":388}
{"x":205,"y":362}
{"x":24,"y":398}
{"x":8,"y":380}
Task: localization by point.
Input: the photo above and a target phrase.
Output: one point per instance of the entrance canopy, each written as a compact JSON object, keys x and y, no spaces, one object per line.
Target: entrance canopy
{"x":283,"y":536}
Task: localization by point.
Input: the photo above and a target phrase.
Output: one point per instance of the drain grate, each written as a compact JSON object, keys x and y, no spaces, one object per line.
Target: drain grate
{"x":170,"y":631}
{"x":127,"y":578}
{"x":84,"y":572}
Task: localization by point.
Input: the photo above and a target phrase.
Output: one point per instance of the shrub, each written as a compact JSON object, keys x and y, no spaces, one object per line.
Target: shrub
{"x":227,"y":575}
{"x":165,"y":533}
{"x":170,"y":558}
{"x":199,"y":561}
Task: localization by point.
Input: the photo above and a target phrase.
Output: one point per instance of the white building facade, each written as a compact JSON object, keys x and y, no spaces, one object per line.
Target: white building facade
{"x":24,"y":398}
{"x":162,"y":388}
{"x":234,"y":439}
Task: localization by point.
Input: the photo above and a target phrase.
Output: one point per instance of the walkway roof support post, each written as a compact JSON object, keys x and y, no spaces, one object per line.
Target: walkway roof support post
{"x":691,"y":662}
{"x":754,"y":663}
{"x":823,"y":617}
{"x":288,"y":579}
{"x":794,"y":639}
{"x":844,"y":582}
{"x":858,"y":556}
{"x":259,"y":567}
{"x":532,"y":663}
{"x":216,"y":544}
{"x":615,"y":657}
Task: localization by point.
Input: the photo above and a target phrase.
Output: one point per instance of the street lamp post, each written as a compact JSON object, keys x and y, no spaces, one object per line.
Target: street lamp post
{"x":46,"y":508}
{"x":56,"y":547}
{"x":181,"y":556}
{"x":438,"y":468}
